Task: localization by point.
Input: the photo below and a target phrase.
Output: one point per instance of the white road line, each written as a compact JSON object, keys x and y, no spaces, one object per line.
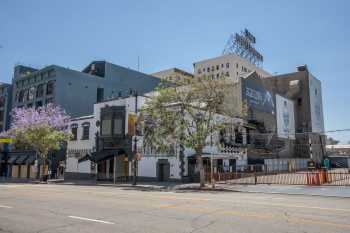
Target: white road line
{"x":92,"y":220}
{"x":5,"y":206}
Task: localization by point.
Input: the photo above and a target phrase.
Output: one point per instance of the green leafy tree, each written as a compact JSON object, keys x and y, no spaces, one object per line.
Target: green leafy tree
{"x":185,"y":114}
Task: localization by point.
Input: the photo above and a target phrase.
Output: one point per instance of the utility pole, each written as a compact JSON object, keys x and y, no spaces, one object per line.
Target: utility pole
{"x":135,"y":144}
{"x":211,"y":160}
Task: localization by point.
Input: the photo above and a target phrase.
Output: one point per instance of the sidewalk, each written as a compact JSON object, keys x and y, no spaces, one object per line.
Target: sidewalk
{"x":325,"y":191}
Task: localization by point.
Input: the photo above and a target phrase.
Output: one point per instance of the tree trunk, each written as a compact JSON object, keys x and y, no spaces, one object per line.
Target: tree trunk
{"x":201,"y":170}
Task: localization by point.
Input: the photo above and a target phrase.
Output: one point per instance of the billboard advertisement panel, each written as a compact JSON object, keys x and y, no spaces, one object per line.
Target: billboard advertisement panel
{"x":316,"y":106}
{"x":257,"y":96}
{"x":285,"y":117}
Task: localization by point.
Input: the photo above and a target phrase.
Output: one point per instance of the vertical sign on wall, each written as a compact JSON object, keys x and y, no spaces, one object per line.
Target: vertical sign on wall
{"x":285,"y":117}
{"x":316,"y":106}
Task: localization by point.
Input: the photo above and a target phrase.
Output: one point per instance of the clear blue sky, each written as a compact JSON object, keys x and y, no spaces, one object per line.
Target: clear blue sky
{"x":177,"y":33}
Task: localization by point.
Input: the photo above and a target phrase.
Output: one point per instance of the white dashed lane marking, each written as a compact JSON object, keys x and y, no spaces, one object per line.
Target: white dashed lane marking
{"x":91,"y":220}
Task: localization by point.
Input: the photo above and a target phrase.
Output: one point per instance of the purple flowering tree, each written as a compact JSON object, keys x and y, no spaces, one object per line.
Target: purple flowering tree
{"x":42,"y":129}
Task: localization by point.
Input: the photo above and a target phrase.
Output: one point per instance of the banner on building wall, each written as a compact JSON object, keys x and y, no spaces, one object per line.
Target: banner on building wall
{"x":132,"y":118}
{"x":257,"y":96}
{"x":316,"y":106}
{"x":285,"y":117}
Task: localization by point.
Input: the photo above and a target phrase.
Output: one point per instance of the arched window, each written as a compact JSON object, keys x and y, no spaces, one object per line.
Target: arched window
{"x":86,"y":131}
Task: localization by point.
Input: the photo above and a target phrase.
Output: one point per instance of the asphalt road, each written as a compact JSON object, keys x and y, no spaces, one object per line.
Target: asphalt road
{"x":68,"y":208}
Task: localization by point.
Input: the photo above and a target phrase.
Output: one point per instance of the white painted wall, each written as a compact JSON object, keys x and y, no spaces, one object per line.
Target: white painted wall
{"x":84,"y":167}
{"x":71,"y":164}
{"x":147,"y":167}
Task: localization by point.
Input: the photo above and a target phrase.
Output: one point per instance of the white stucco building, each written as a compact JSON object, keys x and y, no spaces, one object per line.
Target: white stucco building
{"x":80,"y":148}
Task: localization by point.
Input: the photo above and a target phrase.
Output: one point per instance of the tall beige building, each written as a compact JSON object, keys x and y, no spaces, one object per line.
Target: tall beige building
{"x":172,"y":75}
{"x":231,"y":66}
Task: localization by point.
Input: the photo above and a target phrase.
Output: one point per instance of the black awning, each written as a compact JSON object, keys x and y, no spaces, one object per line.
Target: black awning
{"x":106,"y":154}
{"x":21,"y":159}
{"x":12,"y":159}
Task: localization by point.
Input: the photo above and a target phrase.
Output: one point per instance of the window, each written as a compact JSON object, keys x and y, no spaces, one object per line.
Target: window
{"x":50,"y":87}
{"x":212,"y":68}
{"x":222,"y":65}
{"x":74,"y":130}
{"x":217,"y":76}
{"x":118,"y":126}
{"x":86,"y":131}
{"x":227,"y":74}
{"x":26,"y":94}
{"x":1,"y":115}
{"x":40,"y":91}
{"x":2,"y":101}
{"x":237,"y":65}
{"x":106,"y":127}
{"x":227,"y":65}
{"x":29,"y":105}
{"x":203,"y":69}
{"x":315,"y":91}
{"x":31,"y":93}
{"x":208,"y":69}
{"x":100,"y":94}
{"x":217,"y":67}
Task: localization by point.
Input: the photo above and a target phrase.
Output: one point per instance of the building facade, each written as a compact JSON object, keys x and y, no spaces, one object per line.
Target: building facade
{"x":119,"y":137}
{"x":77,"y":91}
{"x":78,"y":163}
{"x":230,"y":66}
{"x":74,"y":91}
{"x":306,"y":92}
{"x":5,"y":105}
{"x":173,"y":75}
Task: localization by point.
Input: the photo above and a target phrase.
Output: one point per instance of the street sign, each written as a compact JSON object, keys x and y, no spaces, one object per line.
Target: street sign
{"x":6,"y":140}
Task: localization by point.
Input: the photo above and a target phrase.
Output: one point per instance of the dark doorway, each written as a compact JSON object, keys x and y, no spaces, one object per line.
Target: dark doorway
{"x":220,"y":164}
{"x":163,"y":170}
{"x":232,"y":163}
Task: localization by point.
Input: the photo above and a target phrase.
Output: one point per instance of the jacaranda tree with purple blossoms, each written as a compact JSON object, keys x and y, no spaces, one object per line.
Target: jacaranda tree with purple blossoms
{"x":42,"y":129}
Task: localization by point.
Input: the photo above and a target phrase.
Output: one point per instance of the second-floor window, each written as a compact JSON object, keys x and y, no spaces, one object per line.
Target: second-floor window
{"x":118,"y":126}
{"x":86,"y":131}
{"x":106,"y":126}
{"x":50,"y":87}
{"x":40,"y":90}
{"x":31,"y":93}
{"x":74,"y":130}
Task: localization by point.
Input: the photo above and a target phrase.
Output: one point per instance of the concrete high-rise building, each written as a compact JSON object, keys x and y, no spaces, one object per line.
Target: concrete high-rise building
{"x":77,"y":91}
{"x":231,"y":66}
{"x":172,"y":75}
